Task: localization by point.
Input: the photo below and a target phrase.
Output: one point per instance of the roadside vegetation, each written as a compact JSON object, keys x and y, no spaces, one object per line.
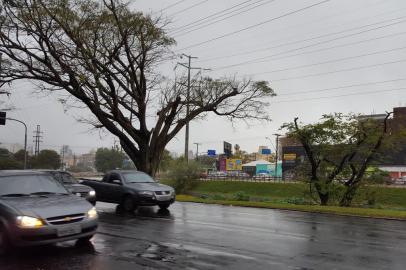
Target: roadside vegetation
{"x":374,"y":201}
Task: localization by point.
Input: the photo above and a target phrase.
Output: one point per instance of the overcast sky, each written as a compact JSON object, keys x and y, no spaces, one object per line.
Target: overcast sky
{"x":319,"y":57}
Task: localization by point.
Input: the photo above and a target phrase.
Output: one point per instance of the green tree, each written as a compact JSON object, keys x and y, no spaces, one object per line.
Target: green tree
{"x":166,"y":161}
{"x":109,"y":159}
{"x":46,"y":159}
{"x":106,"y":56}
{"x":7,"y":161}
{"x":339,"y":149}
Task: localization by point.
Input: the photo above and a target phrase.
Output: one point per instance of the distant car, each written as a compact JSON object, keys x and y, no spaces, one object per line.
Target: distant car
{"x":35,"y":209}
{"x":73,"y":185}
{"x":131,"y":189}
{"x":261,"y":175}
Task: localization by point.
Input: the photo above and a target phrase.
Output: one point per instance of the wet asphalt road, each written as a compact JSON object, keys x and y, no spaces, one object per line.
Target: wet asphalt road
{"x":195,"y":236}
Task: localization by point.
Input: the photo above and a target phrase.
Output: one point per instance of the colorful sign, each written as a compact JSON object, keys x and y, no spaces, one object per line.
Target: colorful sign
{"x":222,"y":165}
{"x":289,"y":157}
{"x":233,"y":164}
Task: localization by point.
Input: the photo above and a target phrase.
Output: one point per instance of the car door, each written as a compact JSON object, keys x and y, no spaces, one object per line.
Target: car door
{"x":115,"y":191}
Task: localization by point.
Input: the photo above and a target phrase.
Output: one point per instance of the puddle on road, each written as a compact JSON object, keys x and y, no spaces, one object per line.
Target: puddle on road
{"x":207,"y":251}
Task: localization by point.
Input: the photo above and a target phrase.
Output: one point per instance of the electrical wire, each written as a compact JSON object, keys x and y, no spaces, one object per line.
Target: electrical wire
{"x":297,"y":41}
{"x":336,"y":60}
{"x":222,"y":19}
{"x":170,"y":6}
{"x":188,"y":8}
{"x":341,"y":70}
{"x":336,"y":88}
{"x":255,"y":25}
{"x":266,"y":58}
{"x":179,"y":29}
{"x":343,"y":95}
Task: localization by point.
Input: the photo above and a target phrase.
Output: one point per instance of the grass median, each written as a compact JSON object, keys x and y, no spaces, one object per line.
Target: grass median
{"x":389,"y":202}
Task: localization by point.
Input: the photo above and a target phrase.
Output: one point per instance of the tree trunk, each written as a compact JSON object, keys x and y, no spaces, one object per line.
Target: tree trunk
{"x":145,"y":160}
{"x":348,"y":196}
{"x":323,"y":195}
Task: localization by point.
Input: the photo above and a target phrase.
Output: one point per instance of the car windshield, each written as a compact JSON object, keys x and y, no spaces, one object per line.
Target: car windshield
{"x":29,"y":184}
{"x":68,"y":179}
{"x":137,"y":178}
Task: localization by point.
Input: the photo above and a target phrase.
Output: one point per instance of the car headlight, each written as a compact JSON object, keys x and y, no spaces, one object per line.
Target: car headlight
{"x":92,"y":193}
{"x":29,"y":222}
{"x":146,"y":193}
{"x":92,"y":213}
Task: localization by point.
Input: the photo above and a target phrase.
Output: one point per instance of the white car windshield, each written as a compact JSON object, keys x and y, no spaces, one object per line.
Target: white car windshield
{"x":24,"y":185}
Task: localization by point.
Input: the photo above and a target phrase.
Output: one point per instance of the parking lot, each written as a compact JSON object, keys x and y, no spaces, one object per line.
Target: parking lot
{"x":196,"y":236}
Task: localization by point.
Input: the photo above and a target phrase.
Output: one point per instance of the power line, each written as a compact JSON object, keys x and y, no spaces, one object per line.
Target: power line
{"x":208,"y":23}
{"x":255,"y":25}
{"x":179,"y":29}
{"x":343,"y":95}
{"x":263,"y":59}
{"x":338,"y":71}
{"x":188,"y":8}
{"x":328,"y":48}
{"x":336,"y":88}
{"x":171,"y":5}
{"x":300,"y":41}
{"x":336,"y":60}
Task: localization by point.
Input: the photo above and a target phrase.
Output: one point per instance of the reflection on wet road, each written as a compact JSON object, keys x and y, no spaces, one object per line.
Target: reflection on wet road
{"x":194,"y":236}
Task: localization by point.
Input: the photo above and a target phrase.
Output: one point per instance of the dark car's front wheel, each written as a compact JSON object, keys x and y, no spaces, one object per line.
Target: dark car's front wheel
{"x":4,"y":241}
{"x":164,"y":206}
{"x":128,"y":204}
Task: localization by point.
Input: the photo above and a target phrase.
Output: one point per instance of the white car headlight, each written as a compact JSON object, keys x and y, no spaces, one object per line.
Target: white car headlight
{"x":92,"y":213}
{"x":147,"y":193}
{"x":29,"y":222}
{"x":92,"y":193}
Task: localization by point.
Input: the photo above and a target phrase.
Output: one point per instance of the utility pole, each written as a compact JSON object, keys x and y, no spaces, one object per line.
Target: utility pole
{"x":276,"y":153}
{"x":37,"y":139}
{"x":25,"y":139}
{"x":197,"y":150}
{"x":63,"y":157}
{"x":189,"y":68}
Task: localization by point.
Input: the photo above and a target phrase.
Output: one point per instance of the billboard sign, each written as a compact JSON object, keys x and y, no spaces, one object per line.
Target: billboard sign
{"x":233,"y":164}
{"x":266,"y":151}
{"x":211,"y":153}
{"x":222,"y":165}
{"x":227,"y":149}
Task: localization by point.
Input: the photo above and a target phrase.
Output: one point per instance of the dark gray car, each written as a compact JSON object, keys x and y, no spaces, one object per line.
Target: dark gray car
{"x":73,"y":185}
{"x":131,"y":189}
{"x":35,"y":209}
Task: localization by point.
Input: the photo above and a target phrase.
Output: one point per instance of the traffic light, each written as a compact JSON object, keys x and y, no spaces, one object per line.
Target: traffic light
{"x":2,"y":118}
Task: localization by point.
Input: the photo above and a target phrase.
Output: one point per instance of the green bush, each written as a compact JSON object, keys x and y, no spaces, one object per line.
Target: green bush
{"x":297,"y":201}
{"x":183,"y":176}
{"x":218,"y":197}
{"x":241,"y":196}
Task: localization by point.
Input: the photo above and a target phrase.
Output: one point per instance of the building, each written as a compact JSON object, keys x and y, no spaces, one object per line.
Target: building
{"x":395,"y":172}
{"x":262,"y":166}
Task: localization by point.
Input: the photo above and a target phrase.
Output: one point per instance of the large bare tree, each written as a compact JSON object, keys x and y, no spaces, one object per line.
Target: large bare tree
{"x":106,"y":56}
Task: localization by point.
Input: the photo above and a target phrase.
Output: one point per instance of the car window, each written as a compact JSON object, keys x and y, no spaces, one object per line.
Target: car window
{"x":27,"y":184}
{"x":68,"y":179}
{"x":137,"y":177}
{"x":113,"y":176}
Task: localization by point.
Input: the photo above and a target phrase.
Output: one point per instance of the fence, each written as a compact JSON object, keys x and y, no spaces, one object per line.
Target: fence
{"x":263,"y":179}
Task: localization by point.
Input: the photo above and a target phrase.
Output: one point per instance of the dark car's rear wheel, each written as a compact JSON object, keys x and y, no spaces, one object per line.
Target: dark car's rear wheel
{"x":164,"y":206}
{"x":4,"y":242}
{"x":128,"y":204}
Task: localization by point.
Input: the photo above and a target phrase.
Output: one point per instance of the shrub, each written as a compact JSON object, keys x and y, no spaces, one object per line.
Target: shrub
{"x":241,"y":196}
{"x":183,"y":175}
